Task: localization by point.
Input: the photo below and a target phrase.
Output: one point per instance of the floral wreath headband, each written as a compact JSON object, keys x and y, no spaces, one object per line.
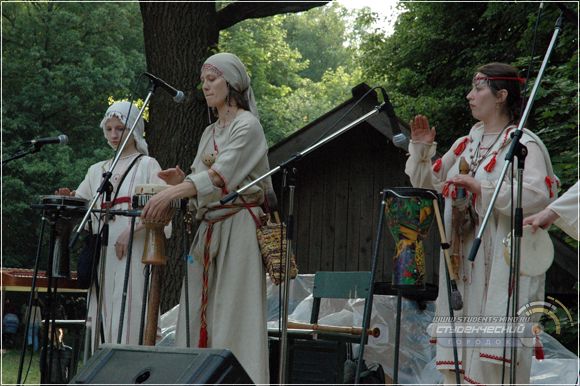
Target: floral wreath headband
{"x":487,"y":79}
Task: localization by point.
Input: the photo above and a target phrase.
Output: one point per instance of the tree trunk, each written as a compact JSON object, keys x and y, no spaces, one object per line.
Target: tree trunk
{"x":177,"y":37}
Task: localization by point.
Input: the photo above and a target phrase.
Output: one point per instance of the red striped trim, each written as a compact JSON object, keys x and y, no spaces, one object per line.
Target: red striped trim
{"x":118,"y":200}
{"x":495,"y":357}
{"x":472,"y":381}
{"x":211,"y":67}
{"x":452,"y":363}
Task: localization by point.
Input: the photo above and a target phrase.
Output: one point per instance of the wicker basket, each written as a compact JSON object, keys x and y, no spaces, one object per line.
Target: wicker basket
{"x":272,"y":241}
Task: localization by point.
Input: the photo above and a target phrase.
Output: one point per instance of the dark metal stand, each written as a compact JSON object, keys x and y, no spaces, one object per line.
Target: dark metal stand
{"x":147,"y":274}
{"x":52,"y":216}
{"x":289,"y":179}
{"x":34,"y":149}
{"x":108,"y":190}
{"x":369,"y":301}
{"x":31,"y":299}
{"x":126,"y":278}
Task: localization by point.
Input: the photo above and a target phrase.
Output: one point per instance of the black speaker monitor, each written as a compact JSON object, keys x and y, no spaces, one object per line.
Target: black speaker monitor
{"x":123,"y":364}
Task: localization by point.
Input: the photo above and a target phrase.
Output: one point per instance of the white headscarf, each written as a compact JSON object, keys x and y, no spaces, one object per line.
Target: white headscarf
{"x":121,"y":110}
{"x":234,"y":72}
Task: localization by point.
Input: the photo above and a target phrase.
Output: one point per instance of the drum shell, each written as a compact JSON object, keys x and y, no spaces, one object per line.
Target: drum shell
{"x":410,"y":213}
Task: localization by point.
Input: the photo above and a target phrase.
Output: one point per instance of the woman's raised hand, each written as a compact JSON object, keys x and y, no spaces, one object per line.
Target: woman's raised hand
{"x":172,"y":176}
{"x":420,"y":130}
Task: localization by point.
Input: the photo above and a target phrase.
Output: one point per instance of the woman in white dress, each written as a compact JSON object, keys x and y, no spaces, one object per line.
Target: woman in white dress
{"x":227,"y":288}
{"x":143,"y":170}
{"x":494,"y":101}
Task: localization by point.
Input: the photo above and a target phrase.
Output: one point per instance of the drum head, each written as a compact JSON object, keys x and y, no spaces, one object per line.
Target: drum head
{"x":55,"y":200}
{"x":537,"y":251}
{"x":406,"y":192}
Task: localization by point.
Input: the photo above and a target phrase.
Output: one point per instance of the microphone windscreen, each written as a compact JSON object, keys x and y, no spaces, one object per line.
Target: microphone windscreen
{"x":63,"y":139}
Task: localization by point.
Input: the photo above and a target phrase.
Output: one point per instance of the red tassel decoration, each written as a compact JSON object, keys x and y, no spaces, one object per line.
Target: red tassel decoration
{"x":549,"y":184}
{"x":538,"y":349}
{"x":490,"y":165}
{"x":202,"y":338}
{"x":461,"y":147}
{"x":454,"y":193}
{"x":437,"y":165}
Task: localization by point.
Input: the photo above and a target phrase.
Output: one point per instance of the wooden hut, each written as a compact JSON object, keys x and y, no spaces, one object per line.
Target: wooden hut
{"x":338,"y":188}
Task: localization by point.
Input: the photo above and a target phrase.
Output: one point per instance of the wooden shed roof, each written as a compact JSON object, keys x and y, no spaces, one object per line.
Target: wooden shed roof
{"x":335,"y":119}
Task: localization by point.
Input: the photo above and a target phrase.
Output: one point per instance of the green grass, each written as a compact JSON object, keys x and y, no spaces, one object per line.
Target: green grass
{"x":10,"y":363}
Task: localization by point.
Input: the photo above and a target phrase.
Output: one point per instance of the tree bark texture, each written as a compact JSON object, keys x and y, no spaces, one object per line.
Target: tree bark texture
{"x":178,"y":37}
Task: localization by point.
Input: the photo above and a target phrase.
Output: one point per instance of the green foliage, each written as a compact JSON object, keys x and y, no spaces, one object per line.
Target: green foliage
{"x":320,"y":36}
{"x":427,"y":64}
{"x":61,"y":61}
{"x":299,"y":65}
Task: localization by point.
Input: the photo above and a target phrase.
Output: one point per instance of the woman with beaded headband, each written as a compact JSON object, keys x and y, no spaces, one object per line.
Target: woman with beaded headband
{"x":227,"y":290}
{"x":138,"y":168}
{"x":495,"y":101}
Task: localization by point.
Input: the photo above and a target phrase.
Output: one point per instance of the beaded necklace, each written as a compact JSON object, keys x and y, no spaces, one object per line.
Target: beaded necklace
{"x":477,"y":159}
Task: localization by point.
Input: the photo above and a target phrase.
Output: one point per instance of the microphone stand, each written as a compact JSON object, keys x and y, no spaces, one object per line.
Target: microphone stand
{"x":519,"y":150}
{"x":34,"y":149}
{"x":285,"y":166}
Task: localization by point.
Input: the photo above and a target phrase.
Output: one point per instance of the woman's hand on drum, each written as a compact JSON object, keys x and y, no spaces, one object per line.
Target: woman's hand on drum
{"x":468,"y":182}
{"x":541,"y":219}
{"x":420,"y":130}
{"x":172,"y":176}
{"x":158,"y":207}
{"x":64,"y":192}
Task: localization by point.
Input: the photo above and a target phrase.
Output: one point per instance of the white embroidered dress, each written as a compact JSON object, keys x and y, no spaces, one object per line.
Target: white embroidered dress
{"x":143,"y":172}
{"x":483,"y":283}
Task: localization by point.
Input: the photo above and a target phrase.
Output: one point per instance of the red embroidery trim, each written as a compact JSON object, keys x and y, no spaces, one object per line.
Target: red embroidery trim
{"x":495,"y":357}
{"x":438,"y":363}
{"x":211,"y":67}
{"x":118,"y":200}
{"x":472,"y":381}
{"x":461,"y":147}
{"x":437,"y":165}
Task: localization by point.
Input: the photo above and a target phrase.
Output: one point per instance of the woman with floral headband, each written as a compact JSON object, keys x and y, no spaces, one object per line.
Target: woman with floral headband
{"x":227,"y":291}
{"x":495,"y":102}
{"x":133,"y":168}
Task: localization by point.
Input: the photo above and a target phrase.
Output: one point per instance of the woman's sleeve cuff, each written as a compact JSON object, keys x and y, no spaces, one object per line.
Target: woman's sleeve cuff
{"x":202,"y":182}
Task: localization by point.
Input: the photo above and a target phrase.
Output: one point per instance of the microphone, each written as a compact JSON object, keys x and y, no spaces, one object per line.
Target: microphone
{"x":61,"y":140}
{"x":178,"y":96}
{"x":399,"y":139}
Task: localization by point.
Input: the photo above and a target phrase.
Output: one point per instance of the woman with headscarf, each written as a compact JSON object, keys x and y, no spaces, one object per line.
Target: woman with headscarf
{"x":495,"y":100}
{"x":137,"y":168}
{"x":227,"y":290}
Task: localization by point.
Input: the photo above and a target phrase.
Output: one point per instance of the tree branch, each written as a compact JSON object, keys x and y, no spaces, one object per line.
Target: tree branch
{"x":241,"y":10}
